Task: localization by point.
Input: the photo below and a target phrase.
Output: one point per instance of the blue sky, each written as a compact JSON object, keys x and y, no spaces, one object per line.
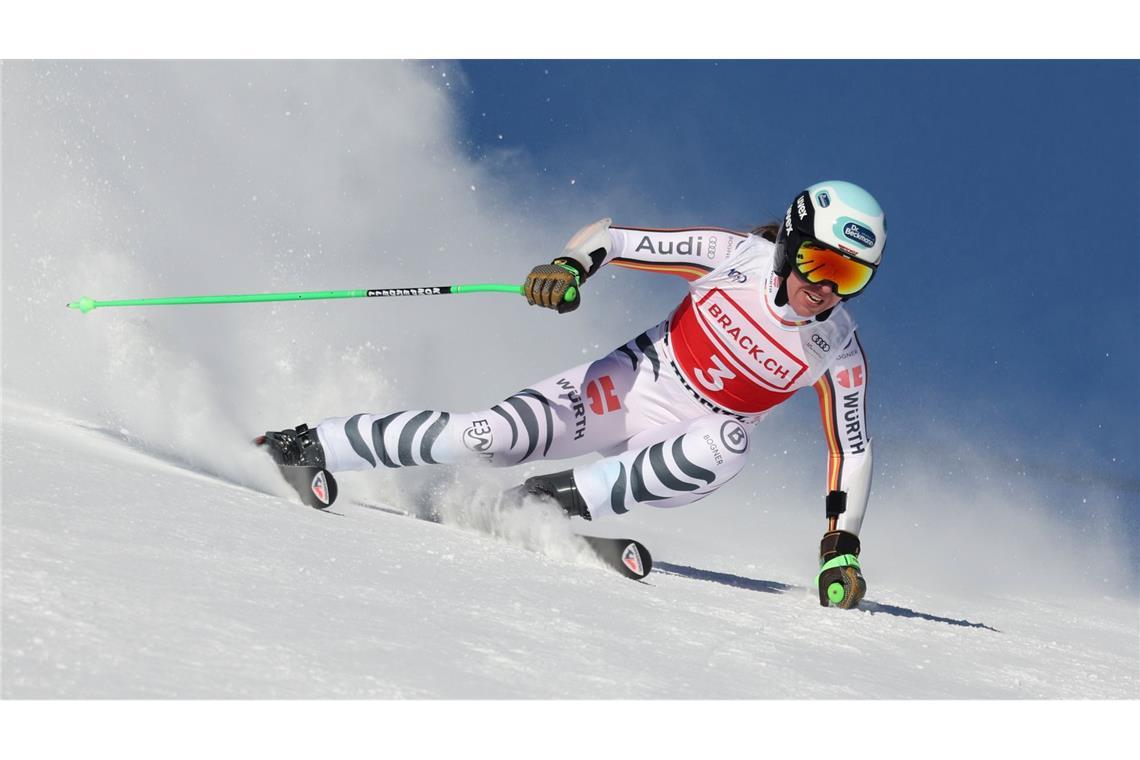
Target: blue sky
{"x":1008,"y":298}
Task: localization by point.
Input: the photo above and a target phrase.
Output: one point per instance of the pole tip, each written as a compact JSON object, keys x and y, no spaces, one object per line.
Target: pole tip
{"x":84,"y":304}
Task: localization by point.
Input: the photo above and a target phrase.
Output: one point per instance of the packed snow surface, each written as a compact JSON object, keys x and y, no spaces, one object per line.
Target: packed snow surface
{"x":131,"y":574}
{"x":150,"y":551}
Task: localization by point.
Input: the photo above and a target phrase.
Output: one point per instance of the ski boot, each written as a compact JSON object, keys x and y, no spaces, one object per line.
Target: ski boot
{"x":301,"y":460}
{"x":625,"y":555}
{"x":558,"y":487}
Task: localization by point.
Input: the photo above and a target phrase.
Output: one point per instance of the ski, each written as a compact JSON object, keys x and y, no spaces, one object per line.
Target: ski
{"x":315,"y":485}
{"x":628,"y":557}
{"x":317,"y":488}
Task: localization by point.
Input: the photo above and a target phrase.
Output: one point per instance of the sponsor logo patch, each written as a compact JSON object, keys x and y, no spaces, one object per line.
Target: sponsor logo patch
{"x":690,"y":246}
{"x":631,"y":558}
{"x":320,"y":487}
{"x":733,"y":437}
{"x":823,"y":199}
{"x":819,"y":341}
{"x":478,"y":437}
{"x":748,"y":346}
{"x":852,"y":426}
{"x":571,"y":394}
{"x":717,"y":456}
{"x":858,"y":233}
{"x":850,"y":378}
{"x":385,"y":292}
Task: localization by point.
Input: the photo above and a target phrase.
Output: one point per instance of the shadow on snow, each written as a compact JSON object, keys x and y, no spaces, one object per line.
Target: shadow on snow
{"x":775,"y":587}
{"x":728,"y":579}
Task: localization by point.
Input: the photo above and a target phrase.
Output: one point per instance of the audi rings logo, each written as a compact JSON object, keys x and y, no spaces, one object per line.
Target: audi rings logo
{"x":733,"y":437}
{"x":823,"y":344}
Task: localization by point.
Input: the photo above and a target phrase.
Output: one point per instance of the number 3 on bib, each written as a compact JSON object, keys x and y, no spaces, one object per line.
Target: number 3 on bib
{"x":714,"y":379}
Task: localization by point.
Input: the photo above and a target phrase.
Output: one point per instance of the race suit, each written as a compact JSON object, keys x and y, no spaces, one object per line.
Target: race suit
{"x":671,"y":411}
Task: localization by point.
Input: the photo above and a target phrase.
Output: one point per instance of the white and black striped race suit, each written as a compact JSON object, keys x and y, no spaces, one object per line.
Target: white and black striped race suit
{"x":670,"y":411}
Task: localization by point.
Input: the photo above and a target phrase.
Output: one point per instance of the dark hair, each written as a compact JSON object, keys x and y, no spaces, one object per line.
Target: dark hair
{"x":768,"y":231}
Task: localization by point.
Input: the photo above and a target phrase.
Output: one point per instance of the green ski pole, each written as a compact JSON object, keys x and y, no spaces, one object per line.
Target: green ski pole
{"x":86,"y":304}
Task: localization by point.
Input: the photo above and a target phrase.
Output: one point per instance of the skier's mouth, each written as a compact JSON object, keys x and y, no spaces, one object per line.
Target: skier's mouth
{"x":815,"y":299}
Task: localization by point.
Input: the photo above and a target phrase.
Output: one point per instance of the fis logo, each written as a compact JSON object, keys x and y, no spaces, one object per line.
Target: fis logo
{"x":823,"y":199}
{"x":737,"y":276}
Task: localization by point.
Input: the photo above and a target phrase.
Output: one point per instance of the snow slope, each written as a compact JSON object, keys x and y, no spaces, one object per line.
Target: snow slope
{"x":128,"y":574}
{"x":148,"y":550}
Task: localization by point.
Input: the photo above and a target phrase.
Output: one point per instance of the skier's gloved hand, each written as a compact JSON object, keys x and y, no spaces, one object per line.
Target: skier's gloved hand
{"x":554,"y":286}
{"x":840,"y":579}
{"x":557,"y":285}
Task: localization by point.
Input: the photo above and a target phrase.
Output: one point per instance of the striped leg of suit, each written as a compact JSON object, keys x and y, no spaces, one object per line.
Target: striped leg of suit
{"x":594,"y":406}
{"x":662,"y":448}
{"x":527,"y":426}
{"x":674,"y":471}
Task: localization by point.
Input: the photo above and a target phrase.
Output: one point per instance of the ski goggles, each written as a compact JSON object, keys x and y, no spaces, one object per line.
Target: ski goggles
{"x":818,"y":264}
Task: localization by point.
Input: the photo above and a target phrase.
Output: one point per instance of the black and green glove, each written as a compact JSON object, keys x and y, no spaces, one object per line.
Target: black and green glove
{"x":840,"y":579}
{"x":554,"y":286}
{"x":558,"y":285}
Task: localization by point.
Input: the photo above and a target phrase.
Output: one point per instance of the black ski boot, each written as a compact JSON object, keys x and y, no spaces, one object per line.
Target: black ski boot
{"x":628,"y":557}
{"x":301,"y":459}
{"x":558,"y":486}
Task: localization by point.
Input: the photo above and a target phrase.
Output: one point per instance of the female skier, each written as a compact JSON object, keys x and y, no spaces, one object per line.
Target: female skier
{"x":672,"y":410}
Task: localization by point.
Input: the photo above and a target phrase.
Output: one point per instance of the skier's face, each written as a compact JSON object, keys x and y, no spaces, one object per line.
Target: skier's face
{"x":809,"y":299}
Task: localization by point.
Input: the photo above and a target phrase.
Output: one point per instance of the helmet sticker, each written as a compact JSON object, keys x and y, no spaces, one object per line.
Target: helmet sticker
{"x":801,"y":206}
{"x":848,"y":228}
{"x":823,"y":199}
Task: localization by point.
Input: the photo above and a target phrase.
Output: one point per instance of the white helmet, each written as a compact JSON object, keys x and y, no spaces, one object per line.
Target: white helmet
{"x":838,"y":216}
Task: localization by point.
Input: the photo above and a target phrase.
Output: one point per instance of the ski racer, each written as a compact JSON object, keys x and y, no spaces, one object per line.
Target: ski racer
{"x":671,"y":411}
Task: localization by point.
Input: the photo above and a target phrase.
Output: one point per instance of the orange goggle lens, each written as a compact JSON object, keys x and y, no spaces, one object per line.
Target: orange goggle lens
{"x":817,"y":264}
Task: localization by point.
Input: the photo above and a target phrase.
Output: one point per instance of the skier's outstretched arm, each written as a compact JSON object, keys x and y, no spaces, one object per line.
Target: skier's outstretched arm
{"x":842,"y":399}
{"x":688,"y":252}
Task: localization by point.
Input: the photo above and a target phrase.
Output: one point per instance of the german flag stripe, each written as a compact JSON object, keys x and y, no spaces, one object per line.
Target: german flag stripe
{"x":688,"y":271}
{"x":866,"y":381}
{"x":826,"y":393}
{"x":681,"y":229}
